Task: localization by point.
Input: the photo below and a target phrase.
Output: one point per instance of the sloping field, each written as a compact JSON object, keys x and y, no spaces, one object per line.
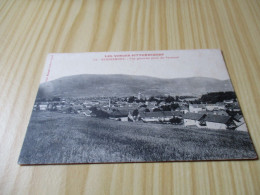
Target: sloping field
{"x":63,"y":138}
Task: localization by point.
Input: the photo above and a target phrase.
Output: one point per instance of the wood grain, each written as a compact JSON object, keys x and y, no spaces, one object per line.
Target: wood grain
{"x":31,"y":29}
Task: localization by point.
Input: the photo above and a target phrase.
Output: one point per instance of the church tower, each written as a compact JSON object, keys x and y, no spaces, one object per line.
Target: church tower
{"x":139,"y":96}
{"x":109,"y":103}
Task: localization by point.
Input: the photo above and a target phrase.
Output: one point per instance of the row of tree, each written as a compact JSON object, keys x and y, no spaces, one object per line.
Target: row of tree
{"x":215,"y":97}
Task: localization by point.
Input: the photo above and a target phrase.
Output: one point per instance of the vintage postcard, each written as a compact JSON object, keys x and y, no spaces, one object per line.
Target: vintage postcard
{"x":136,"y":106}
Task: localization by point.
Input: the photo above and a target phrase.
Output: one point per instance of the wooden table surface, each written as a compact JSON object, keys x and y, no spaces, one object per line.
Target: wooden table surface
{"x":29,"y":30}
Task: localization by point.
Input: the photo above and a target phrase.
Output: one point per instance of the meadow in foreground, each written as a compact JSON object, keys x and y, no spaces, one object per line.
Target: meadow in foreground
{"x":67,"y":138}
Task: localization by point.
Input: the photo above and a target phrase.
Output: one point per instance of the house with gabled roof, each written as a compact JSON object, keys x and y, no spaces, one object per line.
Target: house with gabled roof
{"x":191,"y":119}
{"x":218,"y":121}
{"x":120,"y":115}
{"x":242,"y":127}
{"x":77,"y":108}
{"x":240,"y":123}
{"x":221,"y":112}
{"x":239,"y":119}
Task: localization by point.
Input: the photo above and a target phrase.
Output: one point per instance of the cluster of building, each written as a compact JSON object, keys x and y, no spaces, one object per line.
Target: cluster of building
{"x":211,"y":116}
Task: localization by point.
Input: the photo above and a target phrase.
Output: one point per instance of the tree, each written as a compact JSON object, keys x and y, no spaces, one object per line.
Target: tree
{"x":93,"y":109}
{"x":174,"y":106}
{"x":146,"y":110}
{"x":151,"y":99}
{"x":131,"y":99}
{"x":175,"y":120}
{"x":169,"y":99}
{"x":166,"y":108}
{"x":156,"y":109}
{"x":56,"y":99}
{"x":215,"y":97}
{"x":135,"y":112}
{"x":69,"y":110}
{"x":141,"y":100}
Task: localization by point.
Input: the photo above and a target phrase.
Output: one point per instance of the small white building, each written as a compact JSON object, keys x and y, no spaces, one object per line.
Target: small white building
{"x":87,"y":113}
{"x":220,"y":112}
{"x":228,"y":101}
{"x":211,"y":107}
{"x":151,"y":116}
{"x":43,"y":106}
{"x":58,"y":107}
{"x":195,"y":108}
{"x":163,"y":116}
{"x":183,"y":109}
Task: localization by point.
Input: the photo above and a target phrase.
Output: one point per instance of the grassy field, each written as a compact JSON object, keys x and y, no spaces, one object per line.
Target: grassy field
{"x":66,"y":138}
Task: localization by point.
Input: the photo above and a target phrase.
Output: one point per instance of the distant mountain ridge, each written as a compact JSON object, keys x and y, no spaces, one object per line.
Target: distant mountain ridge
{"x":87,"y":85}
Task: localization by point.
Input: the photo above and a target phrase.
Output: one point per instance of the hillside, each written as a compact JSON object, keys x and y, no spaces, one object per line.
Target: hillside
{"x":126,"y":85}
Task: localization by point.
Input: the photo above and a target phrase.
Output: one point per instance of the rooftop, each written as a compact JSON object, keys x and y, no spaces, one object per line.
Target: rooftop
{"x":217,"y":118}
{"x":119,"y":113}
{"x":197,"y":105}
{"x":193,"y":116}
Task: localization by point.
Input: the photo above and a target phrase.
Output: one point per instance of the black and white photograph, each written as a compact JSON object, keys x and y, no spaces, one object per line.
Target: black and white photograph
{"x":138,"y":106}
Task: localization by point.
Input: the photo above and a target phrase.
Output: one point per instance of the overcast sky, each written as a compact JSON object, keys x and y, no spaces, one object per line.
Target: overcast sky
{"x":172,"y":64}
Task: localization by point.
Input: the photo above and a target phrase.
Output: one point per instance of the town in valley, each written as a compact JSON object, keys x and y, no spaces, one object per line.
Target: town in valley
{"x":215,"y":110}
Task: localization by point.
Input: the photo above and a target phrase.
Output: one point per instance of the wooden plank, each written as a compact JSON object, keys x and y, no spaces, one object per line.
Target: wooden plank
{"x":31,"y":29}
